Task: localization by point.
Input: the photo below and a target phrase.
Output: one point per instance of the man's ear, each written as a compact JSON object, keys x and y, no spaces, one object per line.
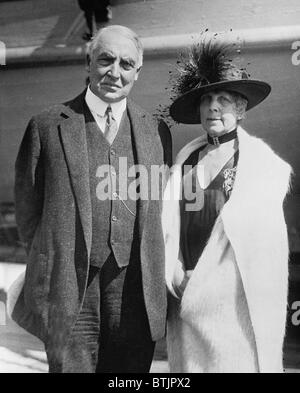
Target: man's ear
{"x":137,"y":73}
{"x":88,"y":63}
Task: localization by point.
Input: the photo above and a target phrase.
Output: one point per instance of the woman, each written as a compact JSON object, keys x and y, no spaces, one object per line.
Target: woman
{"x":224,"y":228}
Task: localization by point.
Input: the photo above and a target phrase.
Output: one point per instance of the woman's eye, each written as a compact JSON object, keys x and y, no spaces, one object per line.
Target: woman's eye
{"x":204,"y":99}
{"x":224,"y":101}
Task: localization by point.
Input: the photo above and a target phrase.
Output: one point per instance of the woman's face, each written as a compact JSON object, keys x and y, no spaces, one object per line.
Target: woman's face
{"x":218,"y":113}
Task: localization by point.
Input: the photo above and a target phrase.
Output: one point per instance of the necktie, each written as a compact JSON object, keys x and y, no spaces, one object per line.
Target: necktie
{"x":111,"y":127}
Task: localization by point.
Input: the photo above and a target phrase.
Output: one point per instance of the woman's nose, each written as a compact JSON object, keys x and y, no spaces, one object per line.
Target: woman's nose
{"x":214,"y":105}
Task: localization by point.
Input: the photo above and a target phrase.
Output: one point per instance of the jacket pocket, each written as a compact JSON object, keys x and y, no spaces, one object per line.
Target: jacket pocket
{"x":36,"y":280}
{"x":41,"y":270}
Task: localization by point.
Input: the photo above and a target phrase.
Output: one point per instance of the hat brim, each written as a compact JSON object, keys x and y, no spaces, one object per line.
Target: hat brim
{"x":185,"y":108}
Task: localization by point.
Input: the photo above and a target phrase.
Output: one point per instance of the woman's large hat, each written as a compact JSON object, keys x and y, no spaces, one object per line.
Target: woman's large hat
{"x":208,"y":67}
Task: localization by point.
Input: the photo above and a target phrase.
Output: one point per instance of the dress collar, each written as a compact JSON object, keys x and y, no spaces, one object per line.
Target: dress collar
{"x":212,"y":159}
{"x":99,"y":107}
{"x":218,"y":140}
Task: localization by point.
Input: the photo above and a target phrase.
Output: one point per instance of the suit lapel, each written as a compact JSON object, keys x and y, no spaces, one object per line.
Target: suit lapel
{"x":75,"y":146}
{"x":147,"y":152}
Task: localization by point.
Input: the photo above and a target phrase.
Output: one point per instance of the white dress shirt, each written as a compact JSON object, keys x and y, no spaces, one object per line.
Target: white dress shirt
{"x":98,"y":108}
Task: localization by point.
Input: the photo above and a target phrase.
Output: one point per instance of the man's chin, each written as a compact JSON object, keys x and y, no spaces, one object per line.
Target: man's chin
{"x":110,"y":97}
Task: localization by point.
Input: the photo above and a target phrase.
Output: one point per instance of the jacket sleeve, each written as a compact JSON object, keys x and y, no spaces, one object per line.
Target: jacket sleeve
{"x":29,"y":184}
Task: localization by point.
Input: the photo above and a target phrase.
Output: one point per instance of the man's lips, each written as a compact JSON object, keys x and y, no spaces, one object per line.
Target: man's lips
{"x":110,"y":86}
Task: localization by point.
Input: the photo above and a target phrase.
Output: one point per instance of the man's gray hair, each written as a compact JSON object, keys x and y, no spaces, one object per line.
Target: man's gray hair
{"x":123,"y":31}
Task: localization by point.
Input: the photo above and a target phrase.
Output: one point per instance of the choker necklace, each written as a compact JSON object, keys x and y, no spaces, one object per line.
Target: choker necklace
{"x":218,"y":140}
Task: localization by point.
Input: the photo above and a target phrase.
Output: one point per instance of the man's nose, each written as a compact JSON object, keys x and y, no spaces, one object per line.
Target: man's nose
{"x":114,"y":71}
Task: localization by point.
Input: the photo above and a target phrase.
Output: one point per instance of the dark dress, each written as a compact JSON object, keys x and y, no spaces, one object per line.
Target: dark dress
{"x":201,"y":221}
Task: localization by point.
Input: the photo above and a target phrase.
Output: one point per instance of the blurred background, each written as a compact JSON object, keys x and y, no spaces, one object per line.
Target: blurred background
{"x":43,"y":61}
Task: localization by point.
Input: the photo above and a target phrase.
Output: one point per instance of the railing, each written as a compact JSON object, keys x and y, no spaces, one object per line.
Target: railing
{"x":249,"y":39}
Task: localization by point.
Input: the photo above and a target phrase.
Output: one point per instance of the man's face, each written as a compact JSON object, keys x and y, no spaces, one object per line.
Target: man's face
{"x":218,"y":113}
{"x":114,"y":67}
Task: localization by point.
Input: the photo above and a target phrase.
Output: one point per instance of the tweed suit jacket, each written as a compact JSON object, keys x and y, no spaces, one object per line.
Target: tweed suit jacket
{"x":53,"y":211}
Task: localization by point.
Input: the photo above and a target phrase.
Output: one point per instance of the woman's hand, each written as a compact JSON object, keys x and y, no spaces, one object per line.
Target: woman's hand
{"x":181,"y":278}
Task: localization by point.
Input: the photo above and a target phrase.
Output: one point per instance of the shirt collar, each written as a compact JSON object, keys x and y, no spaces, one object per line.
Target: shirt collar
{"x":99,"y":107}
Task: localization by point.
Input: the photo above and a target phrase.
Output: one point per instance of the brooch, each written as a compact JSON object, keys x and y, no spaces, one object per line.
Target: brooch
{"x":229,"y":176}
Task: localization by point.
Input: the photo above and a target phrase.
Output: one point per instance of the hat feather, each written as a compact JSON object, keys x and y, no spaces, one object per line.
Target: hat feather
{"x":207,"y":62}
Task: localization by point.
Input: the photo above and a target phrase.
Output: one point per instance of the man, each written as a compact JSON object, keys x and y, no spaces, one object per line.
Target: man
{"x":94,"y":290}
{"x":98,"y":9}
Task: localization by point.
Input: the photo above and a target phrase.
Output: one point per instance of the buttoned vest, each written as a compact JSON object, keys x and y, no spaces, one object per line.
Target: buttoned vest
{"x":113,"y":210}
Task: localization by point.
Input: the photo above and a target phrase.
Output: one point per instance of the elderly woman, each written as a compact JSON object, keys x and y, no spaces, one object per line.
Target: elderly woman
{"x":224,"y":228}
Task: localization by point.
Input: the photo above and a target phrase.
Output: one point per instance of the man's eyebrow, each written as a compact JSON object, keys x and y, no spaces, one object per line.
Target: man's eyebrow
{"x":129,"y":60}
{"x":106,"y":54}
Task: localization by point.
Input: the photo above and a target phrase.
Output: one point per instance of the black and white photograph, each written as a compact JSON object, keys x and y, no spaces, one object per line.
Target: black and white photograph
{"x":149,"y":189}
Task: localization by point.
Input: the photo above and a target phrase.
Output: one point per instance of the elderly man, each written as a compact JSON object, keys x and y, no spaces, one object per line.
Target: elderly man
{"x":94,"y":289}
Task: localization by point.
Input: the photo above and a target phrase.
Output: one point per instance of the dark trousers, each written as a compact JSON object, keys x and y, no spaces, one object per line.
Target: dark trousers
{"x":94,"y":9}
{"x":112,"y":333}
